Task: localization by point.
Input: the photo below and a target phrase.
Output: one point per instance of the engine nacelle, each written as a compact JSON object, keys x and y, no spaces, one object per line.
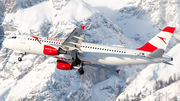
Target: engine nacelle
{"x":63,"y":65}
{"x":51,"y":50}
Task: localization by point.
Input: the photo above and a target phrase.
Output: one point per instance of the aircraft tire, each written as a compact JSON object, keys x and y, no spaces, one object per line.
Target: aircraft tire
{"x":19,"y":59}
{"x":81,"y":71}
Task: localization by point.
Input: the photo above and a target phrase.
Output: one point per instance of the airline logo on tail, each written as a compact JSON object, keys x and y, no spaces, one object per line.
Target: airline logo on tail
{"x":163,"y":39}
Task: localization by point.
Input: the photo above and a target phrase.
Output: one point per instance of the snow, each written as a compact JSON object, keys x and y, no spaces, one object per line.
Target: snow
{"x":166,"y":93}
{"x":5,"y":88}
{"x":34,"y":78}
{"x":112,"y":4}
{"x":78,"y":9}
{"x":32,"y":17}
{"x":153,"y":73}
{"x":108,"y":7}
{"x":103,"y":88}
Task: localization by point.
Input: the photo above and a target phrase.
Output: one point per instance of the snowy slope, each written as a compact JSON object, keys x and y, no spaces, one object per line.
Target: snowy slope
{"x":141,"y":20}
{"x":153,"y":78}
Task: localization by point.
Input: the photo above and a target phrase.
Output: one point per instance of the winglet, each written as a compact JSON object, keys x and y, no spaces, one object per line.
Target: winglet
{"x":117,"y":71}
{"x":83,"y":27}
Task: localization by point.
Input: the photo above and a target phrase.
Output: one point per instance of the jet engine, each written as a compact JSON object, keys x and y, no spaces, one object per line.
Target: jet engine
{"x":63,"y":65}
{"x":52,"y":50}
{"x":66,"y":66}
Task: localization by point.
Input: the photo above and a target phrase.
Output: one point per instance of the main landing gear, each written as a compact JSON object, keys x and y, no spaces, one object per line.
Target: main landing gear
{"x":20,"y":58}
{"x":77,"y":64}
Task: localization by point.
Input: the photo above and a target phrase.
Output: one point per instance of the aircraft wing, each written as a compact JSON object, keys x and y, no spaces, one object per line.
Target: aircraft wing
{"x":74,"y":40}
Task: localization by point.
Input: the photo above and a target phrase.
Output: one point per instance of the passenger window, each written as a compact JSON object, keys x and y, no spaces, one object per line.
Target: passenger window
{"x":90,"y":47}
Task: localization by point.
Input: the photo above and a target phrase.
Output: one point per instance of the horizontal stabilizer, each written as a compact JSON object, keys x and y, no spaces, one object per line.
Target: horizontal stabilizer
{"x":157,"y":53}
{"x":168,"y":63}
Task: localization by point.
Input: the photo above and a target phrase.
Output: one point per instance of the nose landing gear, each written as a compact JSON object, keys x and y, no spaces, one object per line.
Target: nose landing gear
{"x":20,"y":58}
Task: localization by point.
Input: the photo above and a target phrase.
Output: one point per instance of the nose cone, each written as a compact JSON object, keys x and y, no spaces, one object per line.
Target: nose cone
{"x":5,"y":43}
{"x":8,"y":43}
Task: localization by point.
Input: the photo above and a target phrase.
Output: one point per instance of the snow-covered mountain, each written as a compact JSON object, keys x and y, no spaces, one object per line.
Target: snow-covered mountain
{"x":128,"y":23}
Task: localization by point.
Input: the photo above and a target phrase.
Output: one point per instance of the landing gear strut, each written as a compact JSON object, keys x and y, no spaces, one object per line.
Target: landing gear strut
{"x":77,"y":64}
{"x":81,"y":70}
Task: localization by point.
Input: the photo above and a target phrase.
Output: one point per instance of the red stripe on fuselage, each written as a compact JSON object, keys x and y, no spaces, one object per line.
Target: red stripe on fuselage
{"x":36,"y":39}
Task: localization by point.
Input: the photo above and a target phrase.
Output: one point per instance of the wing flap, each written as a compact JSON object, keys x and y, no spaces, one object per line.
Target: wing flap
{"x":74,"y":40}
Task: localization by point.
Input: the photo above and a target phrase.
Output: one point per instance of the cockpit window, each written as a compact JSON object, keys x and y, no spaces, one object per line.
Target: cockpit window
{"x":14,"y":37}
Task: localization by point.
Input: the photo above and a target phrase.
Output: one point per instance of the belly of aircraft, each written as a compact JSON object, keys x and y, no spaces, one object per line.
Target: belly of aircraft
{"x":119,"y":59}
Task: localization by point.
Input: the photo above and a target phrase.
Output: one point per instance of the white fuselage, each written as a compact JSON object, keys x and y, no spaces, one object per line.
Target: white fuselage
{"x":92,"y":53}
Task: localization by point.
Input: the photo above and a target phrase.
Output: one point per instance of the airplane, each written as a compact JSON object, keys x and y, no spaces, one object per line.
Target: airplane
{"x":72,"y":53}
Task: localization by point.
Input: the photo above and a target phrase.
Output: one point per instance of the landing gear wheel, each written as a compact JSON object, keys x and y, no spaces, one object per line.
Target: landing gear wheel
{"x":19,"y":59}
{"x":81,"y":71}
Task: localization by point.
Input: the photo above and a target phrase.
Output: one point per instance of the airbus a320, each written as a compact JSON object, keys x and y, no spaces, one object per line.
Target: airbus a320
{"x":72,"y":53}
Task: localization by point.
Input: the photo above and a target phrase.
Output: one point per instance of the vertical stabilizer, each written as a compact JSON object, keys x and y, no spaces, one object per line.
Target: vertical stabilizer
{"x":160,"y":41}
